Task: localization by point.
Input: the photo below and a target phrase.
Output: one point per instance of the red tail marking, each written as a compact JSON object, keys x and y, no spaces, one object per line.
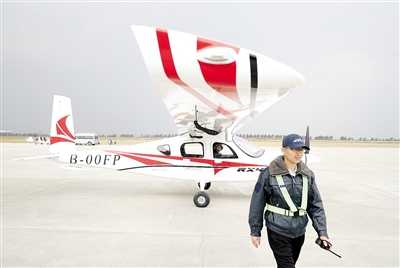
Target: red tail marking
{"x":62,"y":128}
{"x":54,"y":140}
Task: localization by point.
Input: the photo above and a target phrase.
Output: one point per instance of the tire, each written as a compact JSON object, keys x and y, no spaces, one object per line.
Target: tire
{"x":89,"y":143}
{"x":208,"y":185}
{"x":201,"y":199}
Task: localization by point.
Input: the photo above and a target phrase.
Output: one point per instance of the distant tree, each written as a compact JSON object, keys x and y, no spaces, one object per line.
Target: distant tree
{"x":323,"y":137}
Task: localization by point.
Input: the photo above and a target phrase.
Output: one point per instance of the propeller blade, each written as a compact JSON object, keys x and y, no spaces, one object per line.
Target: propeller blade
{"x":307,"y":141}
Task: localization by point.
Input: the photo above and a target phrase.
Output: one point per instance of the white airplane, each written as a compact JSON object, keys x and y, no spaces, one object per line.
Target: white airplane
{"x":38,"y":140}
{"x":211,"y":90}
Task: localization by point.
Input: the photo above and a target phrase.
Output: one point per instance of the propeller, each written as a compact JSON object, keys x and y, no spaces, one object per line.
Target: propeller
{"x":307,"y":143}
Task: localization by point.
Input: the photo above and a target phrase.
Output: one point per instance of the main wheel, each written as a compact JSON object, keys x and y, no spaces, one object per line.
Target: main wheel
{"x":207,"y":186}
{"x":201,"y":199}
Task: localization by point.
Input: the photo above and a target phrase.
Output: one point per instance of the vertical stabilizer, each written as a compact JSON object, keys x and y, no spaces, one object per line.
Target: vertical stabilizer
{"x":62,"y":139}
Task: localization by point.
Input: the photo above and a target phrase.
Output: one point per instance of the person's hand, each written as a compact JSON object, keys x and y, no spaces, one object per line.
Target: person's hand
{"x":325,"y":240}
{"x":256,"y":241}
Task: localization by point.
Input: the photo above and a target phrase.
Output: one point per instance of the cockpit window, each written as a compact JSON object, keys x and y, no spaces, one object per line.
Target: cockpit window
{"x":222,"y":150}
{"x":247,"y":147}
{"x":192,"y":149}
{"x":164,"y":149}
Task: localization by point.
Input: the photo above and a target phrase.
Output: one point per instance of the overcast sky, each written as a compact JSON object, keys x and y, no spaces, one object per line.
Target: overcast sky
{"x":348,"y":53}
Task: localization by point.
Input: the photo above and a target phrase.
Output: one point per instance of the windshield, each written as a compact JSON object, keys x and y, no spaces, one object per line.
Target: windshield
{"x":247,"y":147}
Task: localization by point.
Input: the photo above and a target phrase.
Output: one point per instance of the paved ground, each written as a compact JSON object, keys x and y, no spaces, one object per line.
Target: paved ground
{"x":57,"y":217}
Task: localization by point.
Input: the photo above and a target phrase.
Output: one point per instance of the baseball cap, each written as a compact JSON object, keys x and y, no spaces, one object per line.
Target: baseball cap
{"x":294,"y":141}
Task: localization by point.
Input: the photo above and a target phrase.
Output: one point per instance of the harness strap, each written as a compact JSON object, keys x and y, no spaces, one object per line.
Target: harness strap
{"x":294,"y":211}
{"x":285,"y":212}
{"x":304,"y":194}
{"x":285,"y":193}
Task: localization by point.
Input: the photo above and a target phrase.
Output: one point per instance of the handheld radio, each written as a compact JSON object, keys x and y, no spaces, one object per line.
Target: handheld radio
{"x":320,"y":243}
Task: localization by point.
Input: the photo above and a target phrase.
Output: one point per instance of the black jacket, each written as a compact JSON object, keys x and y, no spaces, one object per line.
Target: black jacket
{"x":267,"y":191}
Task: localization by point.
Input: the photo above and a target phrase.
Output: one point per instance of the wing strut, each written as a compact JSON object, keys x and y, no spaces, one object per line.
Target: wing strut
{"x":205,"y":130}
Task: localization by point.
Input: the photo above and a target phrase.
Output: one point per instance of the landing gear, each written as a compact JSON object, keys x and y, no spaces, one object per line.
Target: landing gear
{"x":206,"y":187}
{"x":201,"y":199}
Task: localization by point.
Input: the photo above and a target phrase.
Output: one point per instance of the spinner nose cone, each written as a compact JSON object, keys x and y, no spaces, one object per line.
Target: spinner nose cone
{"x":286,"y":77}
{"x":278,"y":75}
{"x":295,"y":78}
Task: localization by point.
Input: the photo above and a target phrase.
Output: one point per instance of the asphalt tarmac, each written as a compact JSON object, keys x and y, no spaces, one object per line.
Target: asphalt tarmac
{"x":53,"y":217}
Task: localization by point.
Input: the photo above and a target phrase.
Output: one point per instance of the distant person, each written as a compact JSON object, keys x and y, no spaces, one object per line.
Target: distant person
{"x":280,"y":189}
{"x":217,"y":150}
{"x":111,"y":142}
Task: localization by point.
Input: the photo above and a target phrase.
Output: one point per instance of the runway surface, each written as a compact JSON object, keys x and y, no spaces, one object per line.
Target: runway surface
{"x":52,"y":217}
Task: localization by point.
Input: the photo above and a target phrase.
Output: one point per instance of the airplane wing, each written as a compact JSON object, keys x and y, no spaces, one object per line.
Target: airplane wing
{"x":221,"y":86}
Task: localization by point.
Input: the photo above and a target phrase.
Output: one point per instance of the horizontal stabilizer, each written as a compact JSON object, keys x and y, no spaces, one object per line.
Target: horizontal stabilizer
{"x":49,"y":156}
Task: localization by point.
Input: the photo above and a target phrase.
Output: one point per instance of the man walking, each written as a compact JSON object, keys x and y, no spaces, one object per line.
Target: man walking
{"x":288,"y":191}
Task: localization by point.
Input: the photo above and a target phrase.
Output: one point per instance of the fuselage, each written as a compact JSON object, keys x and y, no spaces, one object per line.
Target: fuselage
{"x":180,"y":157}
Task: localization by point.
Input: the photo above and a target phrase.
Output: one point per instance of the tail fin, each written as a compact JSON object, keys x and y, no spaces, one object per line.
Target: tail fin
{"x":62,"y":138}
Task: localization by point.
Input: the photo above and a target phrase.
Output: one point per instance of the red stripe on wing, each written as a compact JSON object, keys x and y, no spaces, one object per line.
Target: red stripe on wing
{"x":170,"y":71}
{"x":221,"y":77}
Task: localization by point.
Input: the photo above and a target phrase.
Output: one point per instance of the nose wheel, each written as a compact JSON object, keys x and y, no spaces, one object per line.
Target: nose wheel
{"x":201,"y":199}
{"x":206,"y":186}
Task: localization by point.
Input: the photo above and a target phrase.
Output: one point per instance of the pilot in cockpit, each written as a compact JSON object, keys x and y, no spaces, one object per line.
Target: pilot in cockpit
{"x":217,"y":150}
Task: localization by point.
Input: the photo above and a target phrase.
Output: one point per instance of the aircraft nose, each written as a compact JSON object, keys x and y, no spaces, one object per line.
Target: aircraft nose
{"x":294,"y":77}
{"x":277,"y":75}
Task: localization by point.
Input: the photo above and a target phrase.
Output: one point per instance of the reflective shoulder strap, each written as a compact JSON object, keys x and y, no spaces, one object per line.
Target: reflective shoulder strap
{"x":304,"y":194}
{"x":285,"y":193}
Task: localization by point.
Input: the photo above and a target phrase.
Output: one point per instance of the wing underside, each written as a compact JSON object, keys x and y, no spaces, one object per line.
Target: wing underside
{"x":221,"y":86}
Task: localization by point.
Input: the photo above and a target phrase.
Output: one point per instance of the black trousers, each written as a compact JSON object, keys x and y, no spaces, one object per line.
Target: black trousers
{"x":286,"y":250}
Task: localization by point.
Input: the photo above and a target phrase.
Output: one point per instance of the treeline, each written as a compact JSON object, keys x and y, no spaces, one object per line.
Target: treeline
{"x":245,"y":136}
{"x":8,"y":134}
{"x":344,"y":138}
{"x":149,"y":136}
{"x":279,"y":137}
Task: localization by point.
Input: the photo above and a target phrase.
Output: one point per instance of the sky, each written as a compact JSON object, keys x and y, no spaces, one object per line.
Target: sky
{"x":348,"y":53}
